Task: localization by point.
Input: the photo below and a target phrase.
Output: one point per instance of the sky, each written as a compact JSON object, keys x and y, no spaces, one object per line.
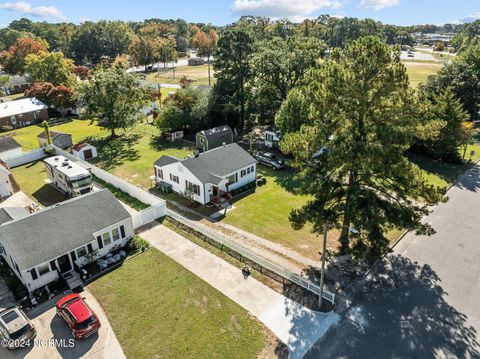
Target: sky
{"x":221,"y":12}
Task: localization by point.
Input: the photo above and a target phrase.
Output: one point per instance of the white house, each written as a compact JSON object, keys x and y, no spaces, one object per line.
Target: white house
{"x":9,"y":147}
{"x":85,"y":151}
{"x":272,"y":137}
{"x":55,"y":241}
{"x":8,"y":184}
{"x":209,"y":176}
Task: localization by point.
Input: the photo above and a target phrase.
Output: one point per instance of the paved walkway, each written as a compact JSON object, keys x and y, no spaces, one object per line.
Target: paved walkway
{"x":296,"y":326}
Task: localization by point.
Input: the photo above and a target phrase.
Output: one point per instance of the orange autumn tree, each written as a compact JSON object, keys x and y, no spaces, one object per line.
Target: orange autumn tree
{"x":13,"y":59}
{"x":206,"y":44}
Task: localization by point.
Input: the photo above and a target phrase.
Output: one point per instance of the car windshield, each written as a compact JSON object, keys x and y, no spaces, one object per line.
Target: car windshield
{"x":10,"y":316}
{"x":83,"y":182}
{"x":86,"y":323}
{"x":20,"y":332}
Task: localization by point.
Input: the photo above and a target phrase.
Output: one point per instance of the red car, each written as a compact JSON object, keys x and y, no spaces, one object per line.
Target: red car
{"x":80,"y":318}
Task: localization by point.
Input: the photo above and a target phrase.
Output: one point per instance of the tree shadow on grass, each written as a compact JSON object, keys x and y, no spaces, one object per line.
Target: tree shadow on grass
{"x":158,"y":143}
{"x":286,"y":178}
{"x":446,"y":171}
{"x":114,"y":152}
{"x":400,"y":312}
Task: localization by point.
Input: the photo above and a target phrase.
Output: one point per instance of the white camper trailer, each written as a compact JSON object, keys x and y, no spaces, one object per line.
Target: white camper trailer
{"x":69,"y":177}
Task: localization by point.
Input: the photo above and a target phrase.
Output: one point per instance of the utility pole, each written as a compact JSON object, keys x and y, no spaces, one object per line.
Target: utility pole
{"x":322,"y":272}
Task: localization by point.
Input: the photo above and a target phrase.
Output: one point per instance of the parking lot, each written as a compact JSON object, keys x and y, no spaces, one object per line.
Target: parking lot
{"x":49,"y":326}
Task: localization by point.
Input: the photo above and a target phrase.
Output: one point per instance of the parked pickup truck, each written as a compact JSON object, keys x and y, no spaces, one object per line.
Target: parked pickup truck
{"x":269,"y":159}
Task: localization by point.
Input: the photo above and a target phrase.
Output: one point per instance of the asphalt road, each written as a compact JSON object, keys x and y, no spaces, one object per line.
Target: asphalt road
{"x":423,"y":301}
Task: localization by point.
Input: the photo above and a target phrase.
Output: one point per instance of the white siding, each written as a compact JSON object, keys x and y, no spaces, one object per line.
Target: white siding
{"x":5,"y":185}
{"x":247,"y":178}
{"x":183,"y":175}
{"x":10,"y":153}
{"x":52,"y":276}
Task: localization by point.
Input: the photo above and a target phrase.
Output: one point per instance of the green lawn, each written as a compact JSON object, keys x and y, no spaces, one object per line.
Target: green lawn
{"x":31,"y":178}
{"x":197,"y":73}
{"x":132,"y":155}
{"x":419,"y":71}
{"x":265,"y":213}
{"x":158,"y":309}
{"x":79,"y":129}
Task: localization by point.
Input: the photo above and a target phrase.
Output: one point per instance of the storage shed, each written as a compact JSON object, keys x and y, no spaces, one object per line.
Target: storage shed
{"x":59,"y":139}
{"x":85,"y":151}
{"x":214,"y":137}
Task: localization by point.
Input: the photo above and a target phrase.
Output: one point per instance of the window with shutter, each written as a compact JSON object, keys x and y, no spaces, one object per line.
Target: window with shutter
{"x":34,"y":274}
{"x":122,"y":231}
{"x":99,"y":241}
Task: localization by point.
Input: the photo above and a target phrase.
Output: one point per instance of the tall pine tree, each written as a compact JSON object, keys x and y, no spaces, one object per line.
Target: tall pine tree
{"x":360,"y":110}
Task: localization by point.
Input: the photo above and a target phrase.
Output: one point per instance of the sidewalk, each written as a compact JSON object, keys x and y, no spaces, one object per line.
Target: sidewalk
{"x":296,"y":326}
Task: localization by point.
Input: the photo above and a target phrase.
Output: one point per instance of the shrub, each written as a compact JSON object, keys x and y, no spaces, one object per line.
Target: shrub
{"x":136,"y":245}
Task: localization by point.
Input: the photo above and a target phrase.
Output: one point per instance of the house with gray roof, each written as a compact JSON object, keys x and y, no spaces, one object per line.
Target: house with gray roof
{"x":208,"y":176}
{"x":42,"y":246}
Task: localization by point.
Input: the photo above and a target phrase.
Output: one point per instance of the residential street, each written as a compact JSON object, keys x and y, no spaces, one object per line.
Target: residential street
{"x":424,"y":301}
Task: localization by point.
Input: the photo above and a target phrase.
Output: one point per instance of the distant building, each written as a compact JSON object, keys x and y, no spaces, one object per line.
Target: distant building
{"x":215,"y":137}
{"x":59,"y":139}
{"x":9,"y":147}
{"x":21,"y":113}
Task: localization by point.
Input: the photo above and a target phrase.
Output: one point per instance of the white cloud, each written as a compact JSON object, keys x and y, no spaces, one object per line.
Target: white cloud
{"x":470,"y":18}
{"x":377,"y":4}
{"x":44,"y":12}
{"x":295,"y":10}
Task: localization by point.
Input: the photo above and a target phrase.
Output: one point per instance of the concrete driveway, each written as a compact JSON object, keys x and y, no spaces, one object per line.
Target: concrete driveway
{"x":104,"y":344}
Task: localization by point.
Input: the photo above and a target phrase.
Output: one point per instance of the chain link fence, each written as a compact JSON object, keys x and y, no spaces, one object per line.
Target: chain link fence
{"x":251,"y":256}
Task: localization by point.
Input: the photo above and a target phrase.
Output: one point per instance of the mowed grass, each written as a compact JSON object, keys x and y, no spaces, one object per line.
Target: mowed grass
{"x":132,"y":155}
{"x":419,"y":71}
{"x":199,"y":75}
{"x":32,"y":179}
{"x":266,"y":214}
{"x":158,"y":309}
{"x":79,"y":129}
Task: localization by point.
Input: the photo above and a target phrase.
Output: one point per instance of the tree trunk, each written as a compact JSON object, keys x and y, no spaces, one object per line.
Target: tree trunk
{"x":345,"y":232}
{"x":113,"y":134}
{"x":208,"y":63}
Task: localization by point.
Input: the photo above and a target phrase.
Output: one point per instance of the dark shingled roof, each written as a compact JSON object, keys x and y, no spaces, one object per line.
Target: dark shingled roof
{"x":59,"y":229}
{"x":219,"y":131}
{"x":166,"y":160}
{"x":8,"y":143}
{"x":212,"y":166}
{"x":53,"y":134}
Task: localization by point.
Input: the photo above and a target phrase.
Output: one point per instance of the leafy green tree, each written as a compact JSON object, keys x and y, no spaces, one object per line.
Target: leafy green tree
{"x":360,"y":110}
{"x":114,"y":98}
{"x":293,"y":113}
{"x":234,"y":71}
{"x":171,"y":118}
{"x":144,"y":50}
{"x":93,"y":40}
{"x":279,"y":66}
{"x":50,"y":67}
{"x":462,"y":77}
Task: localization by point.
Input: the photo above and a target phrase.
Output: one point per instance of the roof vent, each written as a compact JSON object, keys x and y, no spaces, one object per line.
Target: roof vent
{"x":65,"y":163}
{"x":56,"y":159}
{"x":223,"y":144}
{"x":70,"y":166}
